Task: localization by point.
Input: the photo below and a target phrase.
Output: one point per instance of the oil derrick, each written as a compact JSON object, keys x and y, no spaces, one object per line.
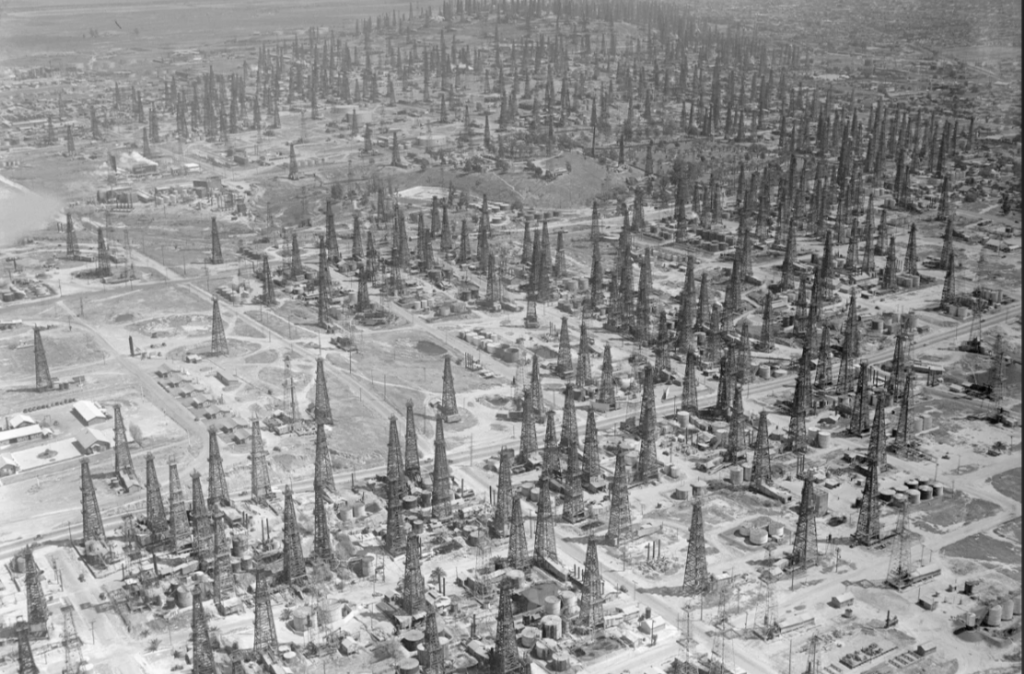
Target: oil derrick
{"x":642,"y":317}
{"x":606,"y":393}
{"x":564,"y":365}
{"x":684,"y":318}
{"x":596,"y":278}
{"x":688,"y":396}
{"x":823,"y":373}
{"x":218,"y":482}
{"x":202,"y":650}
{"x":322,"y":400}
{"x":592,"y":601}
{"x":544,"y":538}
{"x":732,"y":291}
{"x":910,"y":259}
{"x":26,"y":662}
{"x":766,"y":619}
{"x":695,"y":573}
{"x":323,"y":469}
{"x":536,"y":394}
{"x":216,"y":256}
{"x":743,"y":357}
{"x":889,"y":273}
{"x":761,"y":472}
{"x":156,"y":516}
{"x":850,"y":348}
{"x":396,"y":467}
{"x":572,"y":506}
{"x":868,"y":262}
{"x":504,"y":656}
{"x":331,"y":233}
{"x":620,"y":518}
{"x":441,"y":493}
{"x":323,"y":544}
{"x":71,"y":642}
{"x":823,"y":277}
{"x":413,"y":597}
{"x":202,"y":528}
{"x":559,"y":269}
{"x":122,"y":456}
{"x":35,"y":601}
{"x":737,"y":446}
{"x":518,"y":557}
{"x":662,"y":346}
{"x":357,"y":238}
{"x":591,"y":458}
{"x":412,"y":449}
{"x":363,"y":292}
{"x":264,"y":631}
{"x":324,"y":285}
{"x":294,"y":568}
{"x":92,"y":520}
{"x":876,"y":442}
{"x":868,"y":524}
{"x":805,"y":541}
{"x":647,"y":463}
{"x":296,"y":270}
{"x":259,"y":471}
{"x":801,"y":307}
{"x":221,"y":559}
{"x":904,"y":439}
{"x":723,"y":402}
{"x":569,"y":441}
{"x":493,"y":298}
{"x":544,"y":271}
{"x":626,"y":310}
{"x":268,"y":284}
{"x":901,"y":564}
{"x":71,"y":249}
{"x":102,"y":254}
{"x":801,"y":401}
{"x":713,"y":345}
{"x":395,"y":536}
{"x":218,"y":340}
{"x":528,"y":431}
{"x":43,"y":380}
{"x":433,"y":653}
{"x":448,"y":406}
{"x":859,"y":419}
{"x":503,"y":507}
{"x":584,"y":377}
{"x":178,"y":519}
{"x":813,"y":659}
{"x":944,"y":256}
{"x":789,"y":257}
{"x":550,"y":461}
{"x":293,"y":163}
{"x":893,"y":385}
{"x":852,"y":262}
{"x":948,"y":300}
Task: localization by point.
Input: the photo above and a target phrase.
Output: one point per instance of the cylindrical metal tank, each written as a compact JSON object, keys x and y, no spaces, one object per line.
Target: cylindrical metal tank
{"x":911,"y":483}
{"x":994,"y":616}
{"x":570,"y":605}
{"x":699,"y":489}
{"x":331,"y":613}
{"x":746,"y":472}
{"x":824,"y":439}
{"x":736,"y":475}
{"x":926,"y":492}
{"x":411,"y":639}
{"x":899,"y":498}
{"x":775,"y":529}
{"x":743,"y":531}
{"x":1016,"y":605}
{"x":236,"y":547}
{"x":409,"y":666}
{"x":1008,"y":608}
{"x":182,"y":597}
{"x":938,"y":489}
{"x":559,"y":662}
{"x":886,"y":494}
{"x":529,"y":636}
{"x":425,"y":499}
{"x":19,"y":564}
{"x":972,"y":621}
{"x":551,"y":627}
{"x":247,"y":561}
{"x":300,"y":619}
{"x":344,"y":513}
{"x":541,"y":650}
{"x":913,"y":496}
{"x":552,"y":605}
{"x":758,"y":536}
{"x":358,"y":510}
{"x":684,"y":419}
{"x":571,"y":285}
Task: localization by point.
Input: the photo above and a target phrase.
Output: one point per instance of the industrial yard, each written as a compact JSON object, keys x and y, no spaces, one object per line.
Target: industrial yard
{"x":611,"y":338}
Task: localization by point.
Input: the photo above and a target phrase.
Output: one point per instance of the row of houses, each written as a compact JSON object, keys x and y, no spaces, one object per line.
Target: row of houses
{"x":203,"y":404}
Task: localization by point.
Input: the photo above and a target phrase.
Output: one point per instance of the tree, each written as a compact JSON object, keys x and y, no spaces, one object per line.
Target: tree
{"x":437,"y":574}
{"x":136,"y":433}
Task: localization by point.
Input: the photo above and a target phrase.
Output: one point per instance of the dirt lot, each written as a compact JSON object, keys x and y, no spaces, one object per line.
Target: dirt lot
{"x":1008,"y":483}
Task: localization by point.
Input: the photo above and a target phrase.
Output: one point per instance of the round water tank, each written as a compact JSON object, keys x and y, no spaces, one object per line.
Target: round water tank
{"x":411,"y":639}
{"x":529,"y":636}
{"x":247,"y":561}
{"x":899,"y":497}
{"x":937,"y":489}
{"x":425,"y":499}
{"x":552,"y":605}
{"x":515,"y":576}
{"x":236,"y":565}
{"x":570,"y":605}
{"x":19,"y":564}
{"x":1016,"y":605}
{"x":1008,"y":608}
{"x":559,"y":662}
{"x":345,"y":513}
{"x":300,"y":618}
{"x":409,"y":666}
{"x":913,"y":496}
{"x":824,"y":439}
{"x":758,"y":536}
{"x":684,"y":419}
{"x":514,"y":354}
{"x":358,"y":510}
{"x":900,"y":489}
{"x":182,"y":597}
{"x":743,"y":531}
{"x":926,"y":492}
{"x":541,"y":650}
{"x":332,"y":613}
{"x":551,"y":627}
{"x":911,"y":483}
{"x":763,"y":371}
{"x":571,"y":285}
{"x":886,"y":494}
{"x":746,"y":472}
{"x":779,"y":372}
{"x":417,"y":525}
{"x":971,"y":621}
{"x":736,"y":475}
{"x":701,"y":338}
{"x":236,"y":547}
{"x":775,"y":529}
{"x":699,"y":489}
{"x":994,"y":616}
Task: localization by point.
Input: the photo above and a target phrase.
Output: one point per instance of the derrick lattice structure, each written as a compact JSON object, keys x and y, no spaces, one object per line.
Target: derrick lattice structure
{"x":202,"y":648}
{"x":44,"y":382}
{"x":448,"y":405}
{"x":295,"y":269}
{"x":696,"y":580}
{"x":323,"y":543}
{"x":860,"y":420}
{"x":910,"y":259}
{"x":901,"y":563}
{"x":441,"y":486}
{"x":71,"y":643}
{"x":544,"y":535}
{"x":736,"y":445}
{"x":413,"y":587}
{"x":92,"y":519}
{"x":688,"y":396}
{"x":35,"y":600}
{"x":766,"y":619}
{"x":102,"y":253}
{"x":823,"y":373}
{"x":551,"y":462}
{"x":801,"y":398}
{"x":433,"y":652}
{"x":323,"y":469}
{"x":684,"y":317}
{"x":528,"y":430}
{"x":620,"y":518}
{"x":849,"y":350}
{"x":322,"y":398}
{"x":572,"y":506}
{"x":518,"y":555}
{"x":216,"y":254}
{"x":761,"y":471}
{"x":202,"y":525}
{"x":503,"y":506}
{"x":869,"y":526}
{"x":948,"y":299}
{"x":122,"y":455}
{"x":647,"y":464}
{"x":294,"y":567}
{"x":592,"y":600}
{"x":504,"y":657}
{"x":805,"y":541}
{"x":584,"y":373}
{"x":269,"y":298}
{"x":536,"y":393}
{"x":264,"y":631}
{"x":877,"y":440}
{"x":766,"y":342}
{"x":898,"y":367}
{"x":156,"y":515}
{"x":179,"y":533}
{"x":259,"y":471}
{"x":324,"y":287}
{"x":71,"y":249}
{"x":904,"y":440}
{"x":396,"y":491}
{"x":412,"y":446}
{"x":26,"y":661}
{"x":218,"y":339}
{"x":221,"y":560}
{"x":591,"y":450}
{"x":218,"y":483}
{"x":606,"y":392}
{"x":331,"y":232}
{"x":563,"y":366}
